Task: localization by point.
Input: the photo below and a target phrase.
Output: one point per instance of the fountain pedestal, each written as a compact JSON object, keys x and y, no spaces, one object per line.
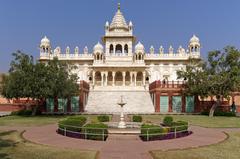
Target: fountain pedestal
{"x":121,"y":124}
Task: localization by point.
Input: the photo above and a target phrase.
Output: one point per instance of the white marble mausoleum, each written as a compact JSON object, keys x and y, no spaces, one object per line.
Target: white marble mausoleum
{"x":120,"y":65}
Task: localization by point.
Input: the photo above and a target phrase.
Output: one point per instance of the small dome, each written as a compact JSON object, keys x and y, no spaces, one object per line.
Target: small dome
{"x":98,"y":48}
{"x":45,"y":41}
{"x":194,"y":39}
{"x":139,"y":47}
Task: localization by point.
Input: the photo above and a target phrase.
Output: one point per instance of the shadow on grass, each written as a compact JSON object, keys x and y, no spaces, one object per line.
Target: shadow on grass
{"x":5,"y":143}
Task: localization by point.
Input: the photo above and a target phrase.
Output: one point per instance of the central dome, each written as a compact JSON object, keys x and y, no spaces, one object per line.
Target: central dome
{"x":118,"y":20}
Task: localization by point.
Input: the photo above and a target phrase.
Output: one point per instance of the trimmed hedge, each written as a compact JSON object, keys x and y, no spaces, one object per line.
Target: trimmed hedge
{"x":220,"y":113}
{"x":152,"y":131}
{"x":168,"y":120}
{"x":103,"y":118}
{"x":180,"y":126}
{"x":70,"y":122}
{"x":22,"y":113}
{"x":97,"y":131}
{"x":137,"y":118}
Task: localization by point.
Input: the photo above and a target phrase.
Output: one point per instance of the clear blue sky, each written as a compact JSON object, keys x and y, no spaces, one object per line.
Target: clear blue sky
{"x":81,"y":22}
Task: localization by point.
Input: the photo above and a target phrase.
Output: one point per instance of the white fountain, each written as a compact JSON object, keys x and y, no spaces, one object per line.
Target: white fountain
{"x":121,"y":124}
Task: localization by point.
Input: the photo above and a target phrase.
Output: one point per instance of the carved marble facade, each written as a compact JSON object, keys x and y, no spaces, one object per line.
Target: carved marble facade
{"x":117,"y":61}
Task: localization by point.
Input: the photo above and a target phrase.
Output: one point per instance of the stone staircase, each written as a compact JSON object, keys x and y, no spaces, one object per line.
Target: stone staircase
{"x":105,"y":102}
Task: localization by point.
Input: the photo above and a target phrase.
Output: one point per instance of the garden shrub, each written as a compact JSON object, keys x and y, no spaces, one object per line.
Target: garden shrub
{"x":180,"y":126}
{"x":22,"y":112}
{"x":96,"y":131}
{"x":137,"y":118}
{"x":151,"y":130}
{"x":70,"y":122}
{"x":168,"y":120}
{"x":219,"y":113}
{"x":103,"y":118}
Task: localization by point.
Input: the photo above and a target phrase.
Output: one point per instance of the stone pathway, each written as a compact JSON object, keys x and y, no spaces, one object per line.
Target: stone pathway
{"x":123,"y":147}
{"x":4,"y":114}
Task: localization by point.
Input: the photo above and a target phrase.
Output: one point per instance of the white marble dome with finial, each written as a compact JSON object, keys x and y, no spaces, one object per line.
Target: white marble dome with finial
{"x":98,"y":48}
{"x":139,"y":47}
{"x":194,"y":39}
{"x":45,"y":42}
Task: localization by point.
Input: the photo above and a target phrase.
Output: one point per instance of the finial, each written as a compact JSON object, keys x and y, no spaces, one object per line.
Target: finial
{"x":119,"y":6}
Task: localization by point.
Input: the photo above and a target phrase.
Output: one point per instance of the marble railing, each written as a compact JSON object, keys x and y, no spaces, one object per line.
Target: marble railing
{"x":66,"y":56}
{"x":172,"y":56}
{"x":147,"y":56}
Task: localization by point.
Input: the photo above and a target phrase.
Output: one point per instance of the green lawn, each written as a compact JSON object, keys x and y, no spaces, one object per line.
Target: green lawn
{"x":13,"y":146}
{"x":228,"y":149}
{"x":201,"y":120}
{"x":36,"y":120}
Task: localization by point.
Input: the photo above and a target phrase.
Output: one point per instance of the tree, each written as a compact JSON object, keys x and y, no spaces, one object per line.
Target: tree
{"x":63,"y":84}
{"x":38,"y":81}
{"x":218,"y":77}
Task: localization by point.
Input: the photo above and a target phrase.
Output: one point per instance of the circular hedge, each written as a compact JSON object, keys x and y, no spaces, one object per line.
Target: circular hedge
{"x":78,"y":127}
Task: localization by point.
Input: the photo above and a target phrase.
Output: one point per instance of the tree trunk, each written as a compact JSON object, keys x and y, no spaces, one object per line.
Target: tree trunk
{"x":35,"y":108}
{"x":214,"y":106}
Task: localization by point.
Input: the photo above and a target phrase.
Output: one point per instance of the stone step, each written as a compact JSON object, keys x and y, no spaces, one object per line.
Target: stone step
{"x":105,"y":102}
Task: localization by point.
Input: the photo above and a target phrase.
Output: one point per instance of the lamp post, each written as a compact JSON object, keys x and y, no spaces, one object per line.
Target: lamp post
{"x":122,"y":123}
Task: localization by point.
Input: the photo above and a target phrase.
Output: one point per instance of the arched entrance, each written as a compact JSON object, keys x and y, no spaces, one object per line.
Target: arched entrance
{"x":98,"y":78}
{"x":118,"y":78}
{"x":139,"y":79}
{"x":118,"y":48}
{"x":110,"y":79}
{"x":127,"y":79}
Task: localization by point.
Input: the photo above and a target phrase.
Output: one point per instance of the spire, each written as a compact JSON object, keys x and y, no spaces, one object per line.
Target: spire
{"x":118,"y":20}
{"x":118,"y":6}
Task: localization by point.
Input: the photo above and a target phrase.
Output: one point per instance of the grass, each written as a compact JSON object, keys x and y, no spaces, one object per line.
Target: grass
{"x":228,"y":149}
{"x":200,"y":120}
{"x":36,"y":120}
{"x":13,"y":146}
{"x":28,"y":121}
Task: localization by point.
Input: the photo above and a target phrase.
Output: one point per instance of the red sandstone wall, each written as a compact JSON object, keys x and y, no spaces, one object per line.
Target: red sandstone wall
{"x":11,"y":107}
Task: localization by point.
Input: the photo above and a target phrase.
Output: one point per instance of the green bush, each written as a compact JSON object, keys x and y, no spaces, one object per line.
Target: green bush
{"x":219,"y":113}
{"x":103,"y":118}
{"x":168,"y":120}
{"x":96,"y":131}
{"x":151,"y":130}
{"x":180,"y":126}
{"x":22,"y":112}
{"x":137,"y":118}
{"x":71,"y":123}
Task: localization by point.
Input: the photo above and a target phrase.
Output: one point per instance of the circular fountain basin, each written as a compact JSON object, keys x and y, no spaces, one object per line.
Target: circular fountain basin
{"x":132,"y":128}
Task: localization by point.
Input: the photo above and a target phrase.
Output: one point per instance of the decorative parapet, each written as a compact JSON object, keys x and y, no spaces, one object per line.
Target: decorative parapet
{"x":172,"y":56}
{"x":47,"y":56}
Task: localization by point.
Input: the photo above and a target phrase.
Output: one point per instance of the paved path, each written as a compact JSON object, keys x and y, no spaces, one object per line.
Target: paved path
{"x":124,"y":147}
{"x":4,"y":113}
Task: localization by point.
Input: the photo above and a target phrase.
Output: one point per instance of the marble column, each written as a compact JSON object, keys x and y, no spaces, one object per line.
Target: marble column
{"x":113,"y":80}
{"x":122,"y":49}
{"x":106,"y":76}
{"x":114,"y":51}
{"x":124,"y":76}
{"x":93,"y":77}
